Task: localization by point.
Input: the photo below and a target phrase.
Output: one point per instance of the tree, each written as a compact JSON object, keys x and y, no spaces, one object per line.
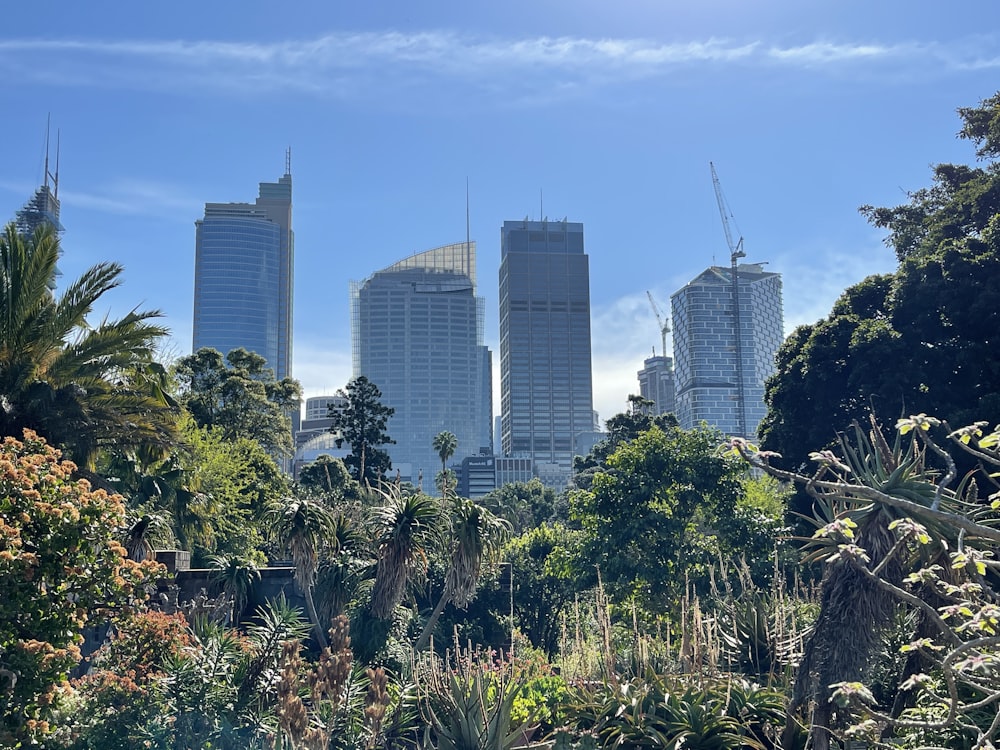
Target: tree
{"x":303,"y":524}
{"x":85,"y":387}
{"x":362,"y":423}
{"x":476,"y":536}
{"x":405,"y":528}
{"x":61,"y":568}
{"x":902,"y":544}
{"x":240,"y":396}
{"x":620,"y":429}
{"x":328,"y":475}
{"x":650,"y":517}
{"x":923,"y":339}
{"x":526,"y":505}
{"x":445,"y":443}
{"x":547,"y":574}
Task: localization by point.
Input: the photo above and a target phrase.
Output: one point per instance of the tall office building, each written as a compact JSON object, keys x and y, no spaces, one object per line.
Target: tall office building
{"x":718,"y":376}
{"x":417,"y":333}
{"x":545,"y":366}
{"x":656,"y":383}
{"x":244,"y":261}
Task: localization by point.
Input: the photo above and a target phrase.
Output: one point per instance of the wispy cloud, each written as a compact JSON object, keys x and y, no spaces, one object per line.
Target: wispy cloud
{"x":341,"y":63}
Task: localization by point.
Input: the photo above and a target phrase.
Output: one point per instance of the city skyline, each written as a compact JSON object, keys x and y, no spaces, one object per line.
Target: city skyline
{"x":609,"y":114}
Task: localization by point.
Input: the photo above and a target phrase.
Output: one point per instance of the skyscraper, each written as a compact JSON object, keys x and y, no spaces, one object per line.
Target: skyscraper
{"x":244,"y":261}
{"x":719,"y":377}
{"x":417,"y":333}
{"x":656,"y":383}
{"x":545,"y":366}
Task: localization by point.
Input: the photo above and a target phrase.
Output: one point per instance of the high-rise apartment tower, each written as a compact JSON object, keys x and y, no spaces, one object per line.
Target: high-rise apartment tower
{"x":417,"y":333}
{"x":244,"y":261}
{"x":656,"y":383}
{"x":719,"y":378}
{"x":546,"y":389}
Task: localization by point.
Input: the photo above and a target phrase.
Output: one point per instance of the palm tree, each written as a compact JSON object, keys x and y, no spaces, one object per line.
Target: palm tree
{"x":445,"y":443}
{"x":81,"y":386}
{"x":303,"y":524}
{"x":237,"y":578}
{"x":477,"y":536}
{"x":406,"y":526}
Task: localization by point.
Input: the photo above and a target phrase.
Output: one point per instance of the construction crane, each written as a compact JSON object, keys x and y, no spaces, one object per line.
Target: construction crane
{"x":664,"y":324}
{"x":735,"y":253}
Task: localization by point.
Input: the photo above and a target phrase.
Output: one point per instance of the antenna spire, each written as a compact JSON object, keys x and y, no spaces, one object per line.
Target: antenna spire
{"x":288,"y":161}
{"x":468,"y":235}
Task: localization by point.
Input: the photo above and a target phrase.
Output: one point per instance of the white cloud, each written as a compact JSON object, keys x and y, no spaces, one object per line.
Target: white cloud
{"x":338,"y":63}
{"x":321,"y":370}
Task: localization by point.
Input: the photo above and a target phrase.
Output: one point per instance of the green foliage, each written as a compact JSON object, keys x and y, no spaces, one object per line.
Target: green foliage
{"x":935,"y":319}
{"x":362,"y":423}
{"x":662,"y":712}
{"x":468,"y":704}
{"x":82,"y":386}
{"x":330,"y":476}
{"x":240,"y":397}
{"x":61,"y":568}
{"x":546,"y":569}
{"x":652,"y":516}
{"x":525,"y":505}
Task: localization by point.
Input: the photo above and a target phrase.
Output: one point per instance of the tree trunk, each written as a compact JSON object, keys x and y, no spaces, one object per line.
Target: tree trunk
{"x":425,"y":635}
{"x":314,"y":618}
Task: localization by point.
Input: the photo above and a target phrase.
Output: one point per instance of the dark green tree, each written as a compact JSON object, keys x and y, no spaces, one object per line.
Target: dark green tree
{"x":547,"y":574}
{"x":240,"y":396}
{"x":330,"y":476}
{"x":620,"y":429}
{"x":525,"y":505}
{"x":86,"y":387}
{"x":362,"y":424}
{"x":921,"y":340}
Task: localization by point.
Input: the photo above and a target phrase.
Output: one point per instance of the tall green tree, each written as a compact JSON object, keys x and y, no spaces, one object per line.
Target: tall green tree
{"x":84,"y":386}
{"x":362,"y":423}
{"x":923,"y":339}
{"x":304,"y":525}
{"x":406,"y":527}
{"x":526,"y":505}
{"x":240,"y":396}
{"x":476,"y":536}
{"x":330,"y":476}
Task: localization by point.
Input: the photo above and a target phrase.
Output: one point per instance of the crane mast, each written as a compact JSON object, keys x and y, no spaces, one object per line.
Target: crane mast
{"x":735,"y":253}
{"x":664,"y":325}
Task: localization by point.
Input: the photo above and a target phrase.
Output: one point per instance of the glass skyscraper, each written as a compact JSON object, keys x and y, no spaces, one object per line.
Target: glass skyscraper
{"x":719,"y":378}
{"x":546,"y":388}
{"x":244,"y":261}
{"x":417,"y":334}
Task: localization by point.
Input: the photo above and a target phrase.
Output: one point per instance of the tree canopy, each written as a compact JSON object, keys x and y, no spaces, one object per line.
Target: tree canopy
{"x":83,"y":386}
{"x":923,"y":339}
{"x":239,"y":395}
{"x":362,"y":423}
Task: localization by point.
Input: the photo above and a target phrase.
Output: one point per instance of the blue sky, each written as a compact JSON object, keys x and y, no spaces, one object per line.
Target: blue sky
{"x":612,"y":111}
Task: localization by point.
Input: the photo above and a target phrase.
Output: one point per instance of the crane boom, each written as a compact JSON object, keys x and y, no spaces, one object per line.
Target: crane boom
{"x":664,"y":324}
{"x":735,"y":249}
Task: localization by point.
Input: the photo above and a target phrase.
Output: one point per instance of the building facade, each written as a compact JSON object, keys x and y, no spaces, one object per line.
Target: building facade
{"x":546,"y":387}
{"x":656,"y":383}
{"x":243,"y":278}
{"x":417,"y":334}
{"x":719,"y":376}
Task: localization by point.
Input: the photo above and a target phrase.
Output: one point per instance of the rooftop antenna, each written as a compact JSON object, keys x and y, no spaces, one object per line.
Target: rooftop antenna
{"x":468,"y":234}
{"x":48,"y":125}
{"x":288,"y":160}
{"x":55,"y":177}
